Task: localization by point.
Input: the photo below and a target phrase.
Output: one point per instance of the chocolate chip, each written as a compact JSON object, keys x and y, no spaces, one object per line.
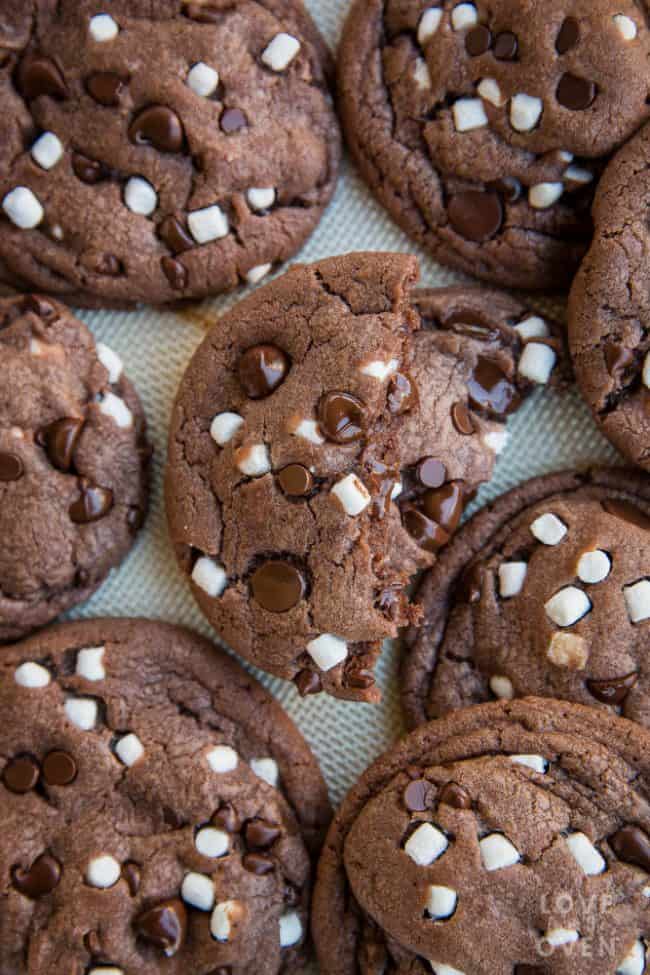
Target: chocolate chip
{"x":614,"y":690}
{"x":476,"y":215}
{"x":233,"y":120}
{"x":258,"y":864}
{"x":308,"y":682}
{"x":426,"y":533}
{"x":59,"y":768}
{"x":359,"y":678}
{"x":260,"y":835}
{"x":21,"y":774}
{"x":507,"y":187}
{"x":445,"y":506}
{"x":419,"y":795}
{"x":164,"y":926}
{"x":227,"y":819}
{"x":470,"y":585}
{"x":568,"y":36}
{"x":342,"y":417}
{"x":60,"y":440}
{"x":135,"y":519}
{"x":454,"y":795}
{"x":175,"y":272}
{"x":39,"y":306}
{"x":531,"y":970}
{"x":478,"y":40}
{"x":262,"y":369}
{"x":296,"y":481}
{"x":631,"y":845}
{"x":88,"y":170}
{"x":402,"y":394}
{"x":278,"y":586}
{"x":11,"y":467}
{"x":627,"y":512}
{"x":575,"y":93}
{"x":432,"y":473}
{"x":92,"y":504}
{"x":159,"y":127}
{"x":203,"y":15}
{"x":617,"y":359}
{"x":490,"y":389}
{"x":174,"y":234}
{"x":462,"y":420}
{"x":41,"y":879}
{"x":506,"y":46}
{"x":131,"y":874}
{"x":106,"y":264}
{"x":40,"y":76}
{"x":105,"y":87}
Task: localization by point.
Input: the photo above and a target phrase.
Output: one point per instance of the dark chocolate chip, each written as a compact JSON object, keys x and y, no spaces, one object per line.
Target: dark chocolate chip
{"x":476,"y":215}
{"x":88,"y":170}
{"x":506,"y":46}
{"x":278,"y":586}
{"x":262,"y":369}
{"x":507,"y":187}
{"x":175,"y":272}
{"x":454,"y":795}
{"x":490,"y":389}
{"x":233,"y":120}
{"x":568,"y":36}
{"x":402,"y":394}
{"x":426,"y":533}
{"x":445,"y":505}
{"x":40,"y":76}
{"x":419,"y":795}
{"x":41,"y":879}
{"x":342,"y":417}
{"x":531,"y":970}
{"x":296,"y":481}
{"x":462,"y":420}
{"x":632,"y":845}
{"x":227,"y":819}
{"x":308,"y":682}
{"x":159,"y":127}
{"x":39,"y":306}
{"x":59,"y":768}
{"x":174,"y":234}
{"x":164,"y":926}
{"x":92,"y":504}
{"x":470,"y":585}
{"x":258,"y":864}
{"x":574,"y":93}
{"x":11,"y":467}
{"x":432,"y":473}
{"x":478,"y":40}
{"x":627,"y":512}
{"x":105,"y":87}
{"x":260,"y":835}
{"x":21,"y":774}
{"x":617,"y":359}
{"x":60,"y":441}
{"x":360,"y":678}
{"x":106,"y":264}
{"x":132,"y":876}
{"x":135,"y":519}
{"x":614,"y":690}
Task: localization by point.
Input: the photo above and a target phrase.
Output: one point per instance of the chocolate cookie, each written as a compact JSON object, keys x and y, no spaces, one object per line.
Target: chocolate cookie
{"x":482,"y":127}
{"x":324,"y":442}
{"x":163,"y":150}
{"x":74,"y":462}
{"x":609,"y":308}
{"x":158,"y":808}
{"x":508,"y":839}
{"x":545,"y":592}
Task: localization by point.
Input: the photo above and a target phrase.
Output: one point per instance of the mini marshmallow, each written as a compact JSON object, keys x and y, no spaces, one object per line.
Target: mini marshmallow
{"x":23,"y":208}
{"x":565,"y":156}
{"x":90,"y":663}
{"x":469,"y":114}
{"x":426,"y":845}
{"x":222,"y":759}
{"x":421,"y":74}
{"x":47,"y":150}
{"x":115,"y":407}
{"x":103,"y":872}
{"x":32,"y":675}
{"x":576,"y":174}
{"x":253,"y":461}
{"x":105,"y":971}
{"x":198,"y":891}
{"x":464,"y":16}
{"x":533,"y":327}
{"x":625,"y":26}
{"x":585,"y":854}
{"x":497,"y":852}
{"x":490,"y":91}
{"x":327,"y":651}
{"x":497,"y":440}
{"x":353,"y":495}
{"x":502,"y":687}
{"x":535,"y":762}
{"x":525,"y":112}
{"x":111,"y":362}
{"x":429,"y":23}
{"x":512,"y":576}
{"x":140,"y":196}
{"x":103,"y":28}
{"x":634,"y":961}
{"x":209,"y":223}
{"x":594,"y":567}
{"x":212,"y":843}
{"x":568,"y":650}
{"x":202,"y":79}
{"x":291,"y":930}
{"x":557,"y":937}
{"x":225,"y":426}
{"x":397,"y":490}
{"x":266,"y":769}
{"x":82,"y":711}
{"x":129,"y":750}
{"x":548,"y":529}
{"x":439,"y":968}
{"x":568,"y":606}
{"x":258,"y":273}
{"x":280,"y":52}
{"x":209,"y":576}
{"x":221,"y":921}
{"x":378,"y":369}
{"x":637,"y":600}
{"x":537,"y":362}
{"x":441,"y":902}
{"x":544,"y":195}
{"x":261,"y":199}
{"x":309,"y":430}
{"x":645,"y":376}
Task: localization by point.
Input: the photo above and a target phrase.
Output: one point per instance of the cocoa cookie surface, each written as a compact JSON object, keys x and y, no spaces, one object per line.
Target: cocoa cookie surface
{"x":510,"y":838}
{"x":159,"y":808}
{"x":545,"y":592}
{"x":74,"y":461}
{"x":160,"y":150}
{"x":483,"y":127}
{"x":324,"y":442}
{"x":609,"y":308}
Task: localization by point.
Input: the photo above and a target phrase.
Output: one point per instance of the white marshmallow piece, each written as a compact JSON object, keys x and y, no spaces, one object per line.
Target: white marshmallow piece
{"x":625,"y":26}
{"x":225,"y":426}
{"x":426,"y":845}
{"x":544,"y":195}
{"x":82,"y":712}
{"x":209,"y":576}
{"x":261,"y":199}
{"x":280,"y":52}
{"x":464,"y":16}
{"x":537,"y":362}
{"x":198,"y":891}
{"x":115,"y":407}
{"x":253,"y":461}
{"x":327,"y":651}
{"x":103,"y":872}
{"x":47,"y":150}
{"x":502,"y":687}
{"x":645,"y":376}
{"x":209,"y":223}
{"x":490,"y":91}
{"x":353,"y":495}
{"x":222,"y":759}
{"x":469,"y":114}
{"x":594,"y":567}
{"x":512,"y":576}
{"x":497,"y":852}
{"x":565,"y":156}
{"x":429,"y":23}
{"x":258,"y":273}
{"x":577,"y":174}
{"x":548,"y":529}
{"x":533,"y":327}
{"x":378,"y":369}
{"x":221,"y":920}
{"x":397,"y":490}
{"x":140,"y":196}
{"x":291,"y":930}
{"x":309,"y":430}
{"x":32,"y":675}
{"x":441,"y":902}
{"x":111,"y":362}
{"x":212,"y":843}
{"x":535,"y":762}
{"x":568,"y":606}
{"x":637,"y":600}
{"x":497,"y":440}
{"x":634,"y":961}
{"x":23,"y":208}
{"x":103,"y":28}
{"x":202,"y":79}
{"x":440,"y":968}
{"x":267,"y":770}
{"x":586,"y":855}
{"x":421,"y":74}
{"x":556,"y":937}
{"x":90,"y":663}
{"x":129,"y":750}
{"x":525,"y":112}
{"x":105,"y":971}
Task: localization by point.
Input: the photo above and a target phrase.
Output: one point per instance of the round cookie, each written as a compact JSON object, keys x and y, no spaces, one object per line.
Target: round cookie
{"x":159,"y":808}
{"x":482,"y":127}
{"x":74,"y":462}
{"x":164,"y":150}
{"x":508,"y":839}
{"x":546,"y":592}
{"x":324,"y":442}
{"x":609,"y":307}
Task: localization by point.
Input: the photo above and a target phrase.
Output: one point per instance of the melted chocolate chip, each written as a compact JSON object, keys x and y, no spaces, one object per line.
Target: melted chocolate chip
{"x":39,"y":306}
{"x":40,"y":76}
{"x":631,"y":845}
{"x":462,"y":420}
{"x":507,"y":187}
{"x":627,"y":512}
{"x":296,"y":481}
{"x":445,"y":505}
{"x":227,"y":819}
{"x":617,"y":359}
{"x":132,"y":876}
{"x":614,"y":690}
{"x":21,"y":774}
{"x":175,"y":272}
{"x":278,"y":586}
{"x":106,"y":264}
{"x":342,"y":417}
{"x":233,"y":120}
{"x":402,"y":394}
{"x":41,"y":879}
{"x":174,"y":234}
{"x":574,"y":93}
{"x":454,"y":795}
{"x":506,"y":46}
{"x":419,"y":795}
{"x":308,"y":682}
{"x":261,"y":835}
{"x":258,"y":864}
{"x":59,"y":768}
{"x":11,"y":467}
{"x":60,"y":440}
{"x":470,"y":586}
{"x":432,"y":473}
{"x":478,"y":40}
{"x":490,"y":389}
{"x":426,"y":533}
{"x":164,"y":926}
{"x":88,"y":170}
{"x":262,"y":369}
{"x":359,"y":677}
{"x":105,"y":87}
{"x":568,"y":36}
{"x":135,"y":519}
{"x":159,"y":127}
{"x":476,"y":215}
{"x":92,"y":504}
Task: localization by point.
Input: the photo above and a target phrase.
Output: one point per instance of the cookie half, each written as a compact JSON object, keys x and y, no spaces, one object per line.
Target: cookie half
{"x":324,"y":442}
{"x":74,"y":462}
{"x":483,"y":127}
{"x":609,"y":308}
{"x":159,"y":808}
{"x":162,"y":149}
{"x":507,"y":838}
{"x":546,"y":592}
